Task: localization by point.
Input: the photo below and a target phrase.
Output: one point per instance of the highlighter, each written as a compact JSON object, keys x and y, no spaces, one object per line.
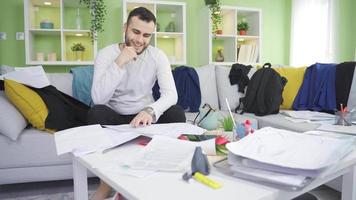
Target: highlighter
{"x":205,"y":180}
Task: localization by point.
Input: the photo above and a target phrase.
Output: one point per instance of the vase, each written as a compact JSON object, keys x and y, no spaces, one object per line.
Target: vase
{"x":78,"y":55}
{"x":219,"y":56}
{"x":218,"y":32}
{"x":242,"y":32}
{"x":78,"y":20}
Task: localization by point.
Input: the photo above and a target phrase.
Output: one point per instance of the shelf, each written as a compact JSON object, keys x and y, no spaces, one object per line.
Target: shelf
{"x":51,"y":46}
{"x":75,"y":15}
{"x":70,"y":38}
{"x":227,"y":45}
{"x":39,"y":12}
{"x":172,"y":46}
{"x":45,"y":31}
{"x":230,"y":40}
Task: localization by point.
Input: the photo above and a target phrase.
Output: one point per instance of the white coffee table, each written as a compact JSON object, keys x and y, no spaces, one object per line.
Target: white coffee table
{"x":171,"y":186}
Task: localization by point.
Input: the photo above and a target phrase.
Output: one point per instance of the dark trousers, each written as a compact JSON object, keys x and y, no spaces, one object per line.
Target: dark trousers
{"x":103,"y":115}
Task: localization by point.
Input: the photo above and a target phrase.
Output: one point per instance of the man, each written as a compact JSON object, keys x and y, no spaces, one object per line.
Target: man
{"x":124,"y":75}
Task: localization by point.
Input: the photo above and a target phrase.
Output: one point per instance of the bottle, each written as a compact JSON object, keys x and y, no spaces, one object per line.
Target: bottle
{"x":78,"y":20}
{"x":248,"y":128}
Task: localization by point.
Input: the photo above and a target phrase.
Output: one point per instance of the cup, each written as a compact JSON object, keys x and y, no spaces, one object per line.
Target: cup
{"x":343,"y":118}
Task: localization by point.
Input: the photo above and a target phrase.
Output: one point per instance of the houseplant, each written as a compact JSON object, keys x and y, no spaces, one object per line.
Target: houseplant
{"x":78,"y":50}
{"x":242,"y":27}
{"x":97,"y":10}
{"x":215,"y":10}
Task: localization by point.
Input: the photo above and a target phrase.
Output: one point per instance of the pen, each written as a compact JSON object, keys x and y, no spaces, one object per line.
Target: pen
{"x":207,"y":181}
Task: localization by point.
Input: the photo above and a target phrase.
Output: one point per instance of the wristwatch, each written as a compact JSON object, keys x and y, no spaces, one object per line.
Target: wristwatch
{"x":150,"y":111}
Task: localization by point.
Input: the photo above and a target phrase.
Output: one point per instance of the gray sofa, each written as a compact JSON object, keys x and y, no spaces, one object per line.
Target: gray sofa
{"x":32,"y":157}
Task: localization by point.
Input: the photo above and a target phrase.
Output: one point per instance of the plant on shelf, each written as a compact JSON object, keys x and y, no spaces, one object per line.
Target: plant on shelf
{"x":215,"y":9}
{"x":242,"y":27}
{"x":77,"y":47}
{"x":97,"y":10}
{"x":78,"y":50}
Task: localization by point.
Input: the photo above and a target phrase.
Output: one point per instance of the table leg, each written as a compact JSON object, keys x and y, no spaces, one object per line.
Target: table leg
{"x":349,"y":185}
{"x":80,"y":181}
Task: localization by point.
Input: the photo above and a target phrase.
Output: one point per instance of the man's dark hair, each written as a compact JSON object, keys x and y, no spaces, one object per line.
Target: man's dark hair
{"x":143,"y":14}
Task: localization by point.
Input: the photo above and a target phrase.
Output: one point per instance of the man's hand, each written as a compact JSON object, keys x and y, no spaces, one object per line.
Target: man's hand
{"x":142,"y":118}
{"x":127,"y":54}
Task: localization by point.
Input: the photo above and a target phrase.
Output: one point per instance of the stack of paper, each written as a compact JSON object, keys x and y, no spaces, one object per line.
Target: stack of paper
{"x":284,"y":157}
{"x":308,"y":116}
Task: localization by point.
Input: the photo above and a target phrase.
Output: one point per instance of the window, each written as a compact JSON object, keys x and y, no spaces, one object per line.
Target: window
{"x":312,"y":33}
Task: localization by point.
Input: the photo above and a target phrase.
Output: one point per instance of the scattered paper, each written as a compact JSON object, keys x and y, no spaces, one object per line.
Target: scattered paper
{"x":81,"y":140}
{"x":173,"y":130}
{"x":31,"y":76}
{"x":337,"y":128}
{"x":164,"y":154}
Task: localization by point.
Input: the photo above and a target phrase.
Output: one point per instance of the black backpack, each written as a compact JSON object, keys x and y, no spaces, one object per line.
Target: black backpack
{"x":264,"y":92}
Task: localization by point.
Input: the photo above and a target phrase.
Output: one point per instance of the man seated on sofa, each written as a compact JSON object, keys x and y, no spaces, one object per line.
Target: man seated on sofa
{"x":124,"y":75}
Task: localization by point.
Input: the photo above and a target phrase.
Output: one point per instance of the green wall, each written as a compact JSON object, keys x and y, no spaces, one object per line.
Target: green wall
{"x":275,"y":30}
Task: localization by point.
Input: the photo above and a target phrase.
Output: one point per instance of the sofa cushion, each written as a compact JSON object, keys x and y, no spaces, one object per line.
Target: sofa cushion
{"x":33,"y":149}
{"x":225,"y":89}
{"x":12,"y":122}
{"x":28,"y":102}
{"x":208,"y":89}
{"x":62,"y":81}
{"x":295,"y":76}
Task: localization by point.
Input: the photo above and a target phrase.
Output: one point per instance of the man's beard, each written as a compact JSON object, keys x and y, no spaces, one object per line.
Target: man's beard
{"x":127,"y":42}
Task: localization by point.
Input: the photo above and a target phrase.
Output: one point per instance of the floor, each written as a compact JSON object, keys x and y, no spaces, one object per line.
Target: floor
{"x":47,"y":191}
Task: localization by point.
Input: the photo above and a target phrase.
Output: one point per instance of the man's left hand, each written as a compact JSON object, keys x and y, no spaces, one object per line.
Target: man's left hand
{"x":142,"y":118}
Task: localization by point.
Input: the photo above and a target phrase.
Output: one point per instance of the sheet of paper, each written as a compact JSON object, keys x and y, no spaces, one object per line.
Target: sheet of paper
{"x":173,"y":130}
{"x":339,"y":129}
{"x":32,"y":76}
{"x":273,"y":177}
{"x":308,"y":115}
{"x":239,"y":161}
{"x":290,"y":149}
{"x":164,"y":154}
{"x":81,"y":140}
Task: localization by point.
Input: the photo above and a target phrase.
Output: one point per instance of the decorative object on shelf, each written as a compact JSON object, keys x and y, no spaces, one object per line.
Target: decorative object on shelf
{"x":219,"y":56}
{"x":243,"y":27}
{"x":215,"y":9}
{"x":171,"y":27}
{"x":78,"y":20}
{"x":52,"y":56}
{"x":78,"y":50}
{"x":40,"y":56}
{"x":46,"y":24}
{"x":97,"y":11}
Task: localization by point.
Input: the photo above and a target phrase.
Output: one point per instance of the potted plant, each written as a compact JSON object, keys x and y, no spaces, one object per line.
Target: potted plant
{"x":243,"y":27}
{"x":97,"y":10}
{"x":78,"y":50}
{"x":215,"y":10}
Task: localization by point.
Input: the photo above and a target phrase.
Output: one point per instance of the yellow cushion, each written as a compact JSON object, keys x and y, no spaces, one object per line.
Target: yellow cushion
{"x":295,"y":76}
{"x":28,"y":102}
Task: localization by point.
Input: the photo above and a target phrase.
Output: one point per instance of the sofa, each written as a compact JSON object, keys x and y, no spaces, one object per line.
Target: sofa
{"x":32,"y":156}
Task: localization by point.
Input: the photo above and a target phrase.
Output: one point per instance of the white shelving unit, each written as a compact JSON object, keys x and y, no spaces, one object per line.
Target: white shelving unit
{"x":232,"y":44}
{"x":59,"y":39}
{"x":172,"y":42}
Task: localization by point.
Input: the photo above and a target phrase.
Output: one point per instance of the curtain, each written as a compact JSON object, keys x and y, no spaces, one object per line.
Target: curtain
{"x":312,"y":32}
